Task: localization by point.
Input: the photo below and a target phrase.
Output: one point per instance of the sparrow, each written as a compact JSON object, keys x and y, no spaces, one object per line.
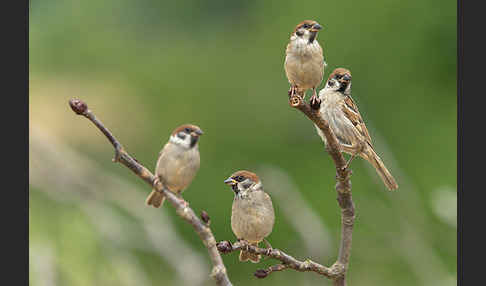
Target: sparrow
{"x":252,"y":214}
{"x":304,"y":60}
{"x":178,"y":162}
{"x":339,"y":110}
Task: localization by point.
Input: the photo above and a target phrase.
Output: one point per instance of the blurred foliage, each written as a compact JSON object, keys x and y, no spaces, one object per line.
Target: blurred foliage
{"x":145,"y":67}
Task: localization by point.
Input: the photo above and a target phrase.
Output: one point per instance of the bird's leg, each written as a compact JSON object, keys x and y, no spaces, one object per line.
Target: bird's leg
{"x":292,"y":90}
{"x":267,"y":243}
{"x":315,"y":102}
{"x":244,"y":243}
{"x":184,"y":202}
{"x":349,"y":161}
{"x":302,"y":95}
{"x":269,"y":248}
{"x":359,"y":149}
{"x":155,"y":182}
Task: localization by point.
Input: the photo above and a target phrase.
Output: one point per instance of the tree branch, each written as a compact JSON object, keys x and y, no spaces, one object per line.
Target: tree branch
{"x":337,"y":272}
{"x":343,"y":184}
{"x":288,"y":262}
{"x":218,"y":272}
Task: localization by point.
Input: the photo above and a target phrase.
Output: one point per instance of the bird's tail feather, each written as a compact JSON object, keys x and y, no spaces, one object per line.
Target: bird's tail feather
{"x":155,"y":199}
{"x":245,"y":256}
{"x":382,"y":171}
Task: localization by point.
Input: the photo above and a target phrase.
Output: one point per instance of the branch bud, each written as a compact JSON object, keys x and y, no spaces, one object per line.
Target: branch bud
{"x":224,"y":246}
{"x":261,"y":273}
{"x":205,"y":217}
{"x":78,"y":106}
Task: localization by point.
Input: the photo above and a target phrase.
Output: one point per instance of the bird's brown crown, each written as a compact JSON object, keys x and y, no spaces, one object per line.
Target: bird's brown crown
{"x":187,"y":128}
{"x":340,"y":72}
{"x":245,"y":175}
{"x":303,"y":24}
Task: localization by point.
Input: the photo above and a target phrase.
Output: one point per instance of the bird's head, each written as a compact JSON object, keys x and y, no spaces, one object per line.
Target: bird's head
{"x":307,"y":30}
{"x":186,"y":135}
{"x":242,"y":181}
{"x":339,"y":80}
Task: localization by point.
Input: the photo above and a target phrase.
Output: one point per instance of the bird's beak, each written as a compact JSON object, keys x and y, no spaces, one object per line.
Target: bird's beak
{"x":347,"y":77}
{"x":230,"y":181}
{"x":197,"y":133}
{"x":316,"y":28}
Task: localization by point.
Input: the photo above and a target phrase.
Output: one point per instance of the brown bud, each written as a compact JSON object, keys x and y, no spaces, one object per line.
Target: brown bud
{"x":261,"y":273}
{"x":224,"y":246}
{"x":205,"y":217}
{"x":78,"y":106}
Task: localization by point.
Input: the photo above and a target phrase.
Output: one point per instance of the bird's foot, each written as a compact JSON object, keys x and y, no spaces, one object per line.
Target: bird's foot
{"x":185,"y":204}
{"x":268,"y":250}
{"x":348,"y":163}
{"x":315,"y":102}
{"x":292,"y":91}
{"x":155,"y":182}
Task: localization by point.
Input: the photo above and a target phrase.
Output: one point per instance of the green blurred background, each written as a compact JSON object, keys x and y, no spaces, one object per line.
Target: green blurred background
{"x":145,"y":67}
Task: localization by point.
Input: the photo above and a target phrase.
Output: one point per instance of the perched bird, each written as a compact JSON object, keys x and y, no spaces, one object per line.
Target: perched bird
{"x":252,"y":215}
{"x":339,"y":110}
{"x":178,"y":162}
{"x":304,"y":61}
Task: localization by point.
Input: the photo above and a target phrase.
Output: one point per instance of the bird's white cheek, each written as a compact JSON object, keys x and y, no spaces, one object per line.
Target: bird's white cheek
{"x":181,"y":142}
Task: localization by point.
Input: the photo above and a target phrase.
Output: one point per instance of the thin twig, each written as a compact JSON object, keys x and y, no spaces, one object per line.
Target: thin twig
{"x":182,"y":207}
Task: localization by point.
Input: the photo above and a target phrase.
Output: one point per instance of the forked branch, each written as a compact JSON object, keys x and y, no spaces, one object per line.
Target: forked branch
{"x":343,"y":184}
{"x":337,"y":272}
{"x":288,"y":262}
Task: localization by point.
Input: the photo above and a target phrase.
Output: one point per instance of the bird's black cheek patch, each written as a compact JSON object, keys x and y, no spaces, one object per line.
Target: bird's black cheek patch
{"x":299,"y":33}
{"x":312,"y":37}
{"x":343,"y":87}
{"x":194,"y":141}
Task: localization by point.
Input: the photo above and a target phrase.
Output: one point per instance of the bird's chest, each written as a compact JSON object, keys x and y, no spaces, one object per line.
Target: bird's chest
{"x":332,"y":111}
{"x":251,"y":219}
{"x":332,"y":101}
{"x":304,"y":65}
{"x":177,"y":168}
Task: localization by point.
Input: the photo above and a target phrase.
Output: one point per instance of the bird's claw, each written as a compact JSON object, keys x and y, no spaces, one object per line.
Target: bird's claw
{"x":315,"y":102}
{"x":155,"y":182}
{"x":185,"y":203}
{"x":292,"y":91}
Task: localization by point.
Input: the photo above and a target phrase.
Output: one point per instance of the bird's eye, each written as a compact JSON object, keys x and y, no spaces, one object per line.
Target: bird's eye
{"x":239,"y":178}
{"x":187,"y":130}
{"x":305,"y":26}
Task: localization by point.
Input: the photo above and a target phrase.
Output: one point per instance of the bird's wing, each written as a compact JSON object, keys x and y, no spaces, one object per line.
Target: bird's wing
{"x":162,"y":156}
{"x":352,"y":113}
